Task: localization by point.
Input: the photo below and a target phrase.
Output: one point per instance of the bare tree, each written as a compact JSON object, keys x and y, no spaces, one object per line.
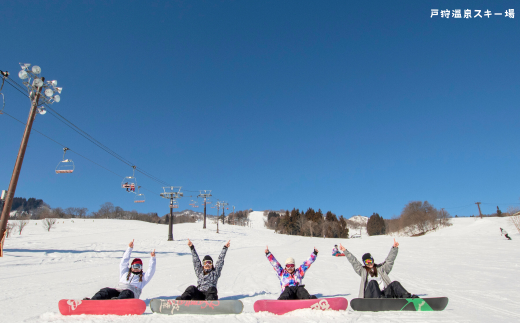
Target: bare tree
{"x":48,"y":223}
{"x":20,"y":225}
{"x":8,"y":229}
{"x":301,"y":224}
{"x":311,"y":226}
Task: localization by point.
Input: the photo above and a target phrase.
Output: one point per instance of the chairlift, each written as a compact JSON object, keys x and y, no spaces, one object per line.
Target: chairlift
{"x":139,"y":198}
{"x":66,"y":166}
{"x":129,"y":182}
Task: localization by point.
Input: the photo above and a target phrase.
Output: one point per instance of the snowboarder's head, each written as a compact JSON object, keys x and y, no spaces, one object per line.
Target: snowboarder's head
{"x":335,"y":246}
{"x":136,"y":266}
{"x":289,"y":265}
{"x":207,"y":262}
{"x":368,"y":260}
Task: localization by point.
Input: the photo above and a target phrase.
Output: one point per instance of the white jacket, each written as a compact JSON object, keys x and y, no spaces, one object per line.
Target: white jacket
{"x":133,"y":282}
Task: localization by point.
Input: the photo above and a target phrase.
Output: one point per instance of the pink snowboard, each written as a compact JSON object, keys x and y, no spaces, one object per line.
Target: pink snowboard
{"x":103,"y":307}
{"x":282,"y":307}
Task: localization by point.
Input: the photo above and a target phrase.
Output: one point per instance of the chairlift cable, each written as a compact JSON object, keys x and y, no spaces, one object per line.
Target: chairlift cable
{"x":87,"y":136}
{"x":84,"y":134}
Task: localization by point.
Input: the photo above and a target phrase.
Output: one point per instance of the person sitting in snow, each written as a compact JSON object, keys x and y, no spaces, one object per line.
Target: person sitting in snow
{"x":504,"y":232}
{"x":132,"y":280}
{"x":335,"y":250}
{"x":207,"y":276}
{"x":374,"y":277}
{"x":291,"y":277}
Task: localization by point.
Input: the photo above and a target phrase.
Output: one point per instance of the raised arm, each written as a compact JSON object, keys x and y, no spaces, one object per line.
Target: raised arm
{"x":196,"y":260}
{"x":276,"y":265}
{"x":389,"y":261}
{"x":123,"y":266}
{"x":220,"y":261}
{"x":358,"y":267}
{"x":307,"y":263}
{"x":151,"y":269}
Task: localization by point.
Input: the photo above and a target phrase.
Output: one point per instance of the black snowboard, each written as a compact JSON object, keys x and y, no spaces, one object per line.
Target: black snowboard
{"x":399,"y":304}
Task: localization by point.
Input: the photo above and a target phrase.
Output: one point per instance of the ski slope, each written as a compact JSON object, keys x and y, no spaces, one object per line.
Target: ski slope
{"x":469,"y":262}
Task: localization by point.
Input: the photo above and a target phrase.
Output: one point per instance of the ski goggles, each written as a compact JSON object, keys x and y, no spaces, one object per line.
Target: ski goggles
{"x":137,"y":266}
{"x":207,"y":262}
{"x":369,"y":261}
{"x":289,"y":266}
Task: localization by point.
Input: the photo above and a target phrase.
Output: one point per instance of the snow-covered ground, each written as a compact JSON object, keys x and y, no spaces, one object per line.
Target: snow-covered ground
{"x":469,"y":262}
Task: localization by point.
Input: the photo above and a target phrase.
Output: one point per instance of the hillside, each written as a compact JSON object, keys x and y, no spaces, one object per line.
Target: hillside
{"x":359,"y":219}
{"x":469,"y":262}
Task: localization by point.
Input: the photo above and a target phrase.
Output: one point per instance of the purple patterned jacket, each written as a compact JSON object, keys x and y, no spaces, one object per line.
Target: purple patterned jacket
{"x":294,"y":279}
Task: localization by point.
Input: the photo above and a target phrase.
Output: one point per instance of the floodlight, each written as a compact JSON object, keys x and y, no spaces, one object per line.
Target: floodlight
{"x":37,"y":82}
{"x":59,"y":89}
{"x":36,"y":69}
{"x":49,"y":92}
{"x":42,"y":111}
{"x":54,"y":83}
{"x":22,"y":74}
{"x":57,"y":98}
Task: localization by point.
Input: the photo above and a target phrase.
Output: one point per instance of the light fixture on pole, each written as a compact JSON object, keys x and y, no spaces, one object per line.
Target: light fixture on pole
{"x":35,"y":85}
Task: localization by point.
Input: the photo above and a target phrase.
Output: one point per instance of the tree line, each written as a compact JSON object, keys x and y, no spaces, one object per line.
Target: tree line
{"x":237,"y":218}
{"x":309,"y":223}
{"x":41,"y":210}
{"x":416,"y":218}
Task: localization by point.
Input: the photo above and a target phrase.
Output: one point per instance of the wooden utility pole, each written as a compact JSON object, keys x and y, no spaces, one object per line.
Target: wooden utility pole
{"x":17,"y":168}
{"x":478,"y":204}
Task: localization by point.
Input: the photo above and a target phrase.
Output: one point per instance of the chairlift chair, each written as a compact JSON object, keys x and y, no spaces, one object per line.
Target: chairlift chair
{"x":66,"y":166}
{"x":129,"y":183}
{"x":139,"y":197}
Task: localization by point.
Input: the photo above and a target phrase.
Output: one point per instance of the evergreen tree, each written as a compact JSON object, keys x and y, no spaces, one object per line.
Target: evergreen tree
{"x":376,"y":225}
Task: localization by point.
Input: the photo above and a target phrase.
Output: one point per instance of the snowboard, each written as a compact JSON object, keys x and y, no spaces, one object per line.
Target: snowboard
{"x":284,"y":306}
{"x":102,"y":307}
{"x":399,"y":304}
{"x":172,"y":306}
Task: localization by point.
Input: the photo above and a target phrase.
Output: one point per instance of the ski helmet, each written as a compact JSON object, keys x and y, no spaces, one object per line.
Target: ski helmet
{"x":367,"y":256}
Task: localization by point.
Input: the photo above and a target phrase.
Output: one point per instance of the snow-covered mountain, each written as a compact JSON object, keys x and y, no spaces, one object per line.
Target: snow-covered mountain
{"x":359,"y":219}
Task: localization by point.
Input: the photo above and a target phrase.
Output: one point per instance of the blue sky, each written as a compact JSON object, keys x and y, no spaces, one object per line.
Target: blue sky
{"x":350,"y":107}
